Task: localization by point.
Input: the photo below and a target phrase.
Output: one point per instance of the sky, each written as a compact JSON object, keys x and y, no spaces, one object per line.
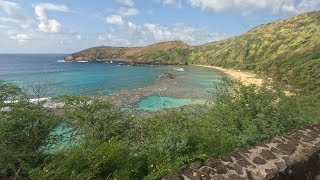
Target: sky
{"x":66,"y":26}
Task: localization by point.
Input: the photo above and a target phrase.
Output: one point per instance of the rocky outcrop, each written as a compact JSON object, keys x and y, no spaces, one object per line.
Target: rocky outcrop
{"x":132,"y":55}
{"x":293,"y":156}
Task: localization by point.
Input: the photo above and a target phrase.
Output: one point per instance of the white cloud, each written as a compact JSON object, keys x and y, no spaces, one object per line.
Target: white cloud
{"x":249,"y":6}
{"x":158,"y":32}
{"x":132,"y":26}
{"x":303,"y":6}
{"x":101,"y":38}
{"x":3,"y":26}
{"x":45,"y":24}
{"x":79,"y":37}
{"x":126,"y":2}
{"x":194,"y":36}
{"x":119,"y":22}
{"x":6,"y":20}
{"x":25,"y":26}
{"x":125,"y":11}
{"x":127,"y":33}
{"x":175,"y":3}
{"x":114,"y":19}
{"x":49,"y":26}
{"x":11,"y":11}
{"x":20,"y":37}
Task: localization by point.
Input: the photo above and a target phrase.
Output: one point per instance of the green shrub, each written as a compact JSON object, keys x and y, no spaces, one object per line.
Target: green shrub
{"x":251,"y":113}
{"x":119,"y":146}
{"x":96,"y":118}
{"x":94,"y":160}
{"x":24,"y":127}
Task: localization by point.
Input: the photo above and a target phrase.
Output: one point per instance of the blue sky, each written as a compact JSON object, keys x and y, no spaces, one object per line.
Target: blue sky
{"x":60,"y":26}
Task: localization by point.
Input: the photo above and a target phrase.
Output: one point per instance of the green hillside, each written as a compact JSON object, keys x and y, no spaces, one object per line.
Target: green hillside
{"x":287,"y":50}
{"x":108,"y":142}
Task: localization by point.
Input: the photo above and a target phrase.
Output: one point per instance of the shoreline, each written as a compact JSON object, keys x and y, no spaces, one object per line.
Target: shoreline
{"x":246,"y":78}
{"x":171,"y":82}
{"x":166,"y":85}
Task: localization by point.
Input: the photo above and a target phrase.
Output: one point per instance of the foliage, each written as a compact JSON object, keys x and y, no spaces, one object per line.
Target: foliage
{"x":23,"y":129}
{"x":117,"y":145}
{"x":94,"y":160}
{"x":120,"y":146}
{"x":287,"y":50}
{"x":96,"y":118}
{"x":151,"y":147}
{"x":9,"y":92}
{"x":252,"y":113}
{"x":169,"y":56}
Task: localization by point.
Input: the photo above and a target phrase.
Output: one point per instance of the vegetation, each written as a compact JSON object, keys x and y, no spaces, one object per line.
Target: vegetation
{"x":23,"y":129}
{"x":123,"y":53}
{"x":287,"y":50}
{"x":169,"y":56}
{"x":118,"y":145}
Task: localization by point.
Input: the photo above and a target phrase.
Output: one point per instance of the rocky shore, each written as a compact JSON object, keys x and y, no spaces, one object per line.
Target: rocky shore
{"x":166,"y":85}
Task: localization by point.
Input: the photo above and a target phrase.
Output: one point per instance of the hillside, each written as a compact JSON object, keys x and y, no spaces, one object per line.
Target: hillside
{"x":287,"y":50}
{"x":106,"y":141}
{"x":130,"y":55}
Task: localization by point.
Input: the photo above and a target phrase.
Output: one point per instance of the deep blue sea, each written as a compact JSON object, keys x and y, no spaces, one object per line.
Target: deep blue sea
{"x":61,"y":78}
{"x":74,"y":77}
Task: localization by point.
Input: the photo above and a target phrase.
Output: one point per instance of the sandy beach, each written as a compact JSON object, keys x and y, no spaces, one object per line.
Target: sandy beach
{"x":246,"y":78}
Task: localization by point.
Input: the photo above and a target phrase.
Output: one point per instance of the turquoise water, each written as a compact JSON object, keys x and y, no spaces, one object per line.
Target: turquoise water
{"x":156,"y":103}
{"x":200,"y":76}
{"x":61,"y":137}
{"x":61,"y":78}
{"x":74,"y":77}
{"x":69,"y":136}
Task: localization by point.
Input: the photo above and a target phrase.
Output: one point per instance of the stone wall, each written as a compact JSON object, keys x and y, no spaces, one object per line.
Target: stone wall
{"x":293,"y":156}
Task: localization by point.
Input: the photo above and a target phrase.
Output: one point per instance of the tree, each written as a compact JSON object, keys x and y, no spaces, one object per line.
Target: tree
{"x":9,"y":92}
{"x":95,"y":117}
{"x":24,"y":128}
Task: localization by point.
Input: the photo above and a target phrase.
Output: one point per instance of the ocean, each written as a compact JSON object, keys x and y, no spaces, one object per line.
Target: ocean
{"x":61,"y":78}
{"x":192,"y":85}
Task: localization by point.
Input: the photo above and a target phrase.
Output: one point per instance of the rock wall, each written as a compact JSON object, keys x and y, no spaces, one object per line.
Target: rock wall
{"x":293,"y":156}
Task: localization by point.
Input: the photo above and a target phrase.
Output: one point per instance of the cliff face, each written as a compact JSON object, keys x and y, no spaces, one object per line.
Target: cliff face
{"x":133,"y":55}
